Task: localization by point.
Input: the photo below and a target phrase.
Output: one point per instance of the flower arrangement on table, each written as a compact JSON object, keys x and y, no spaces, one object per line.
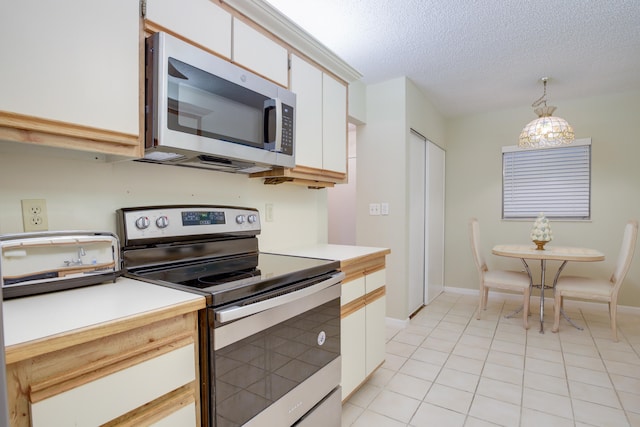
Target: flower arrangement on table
{"x":541,"y":231}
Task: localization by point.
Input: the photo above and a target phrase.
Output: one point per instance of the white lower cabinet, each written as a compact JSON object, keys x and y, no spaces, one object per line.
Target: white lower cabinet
{"x":182,"y":417}
{"x":362,"y":329}
{"x":140,"y":371}
{"x":375,"y":308}
{"x":352,"y":339}
{"x":353,"y":349}
{"x":375,"y":334}
{"x":106,"y":398}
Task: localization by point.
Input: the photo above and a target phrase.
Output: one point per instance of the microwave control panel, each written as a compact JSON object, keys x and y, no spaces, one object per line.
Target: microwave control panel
{"x":287,"y":129}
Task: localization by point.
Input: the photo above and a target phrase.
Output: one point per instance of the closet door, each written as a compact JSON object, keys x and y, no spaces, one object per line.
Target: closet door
{"x":426,"y":216}
{"x":417,"y":217}
{"x":434,"y":224}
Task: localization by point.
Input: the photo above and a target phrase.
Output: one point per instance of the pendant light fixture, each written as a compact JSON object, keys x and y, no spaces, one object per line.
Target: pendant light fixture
{"x":546,"y":130}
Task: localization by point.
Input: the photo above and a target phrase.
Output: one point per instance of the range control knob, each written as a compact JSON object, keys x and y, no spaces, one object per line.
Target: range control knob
{"x":162,"y":221}
{"x":142,"y":222}
{"x":252,"y":218}
{"x":240,"y":219}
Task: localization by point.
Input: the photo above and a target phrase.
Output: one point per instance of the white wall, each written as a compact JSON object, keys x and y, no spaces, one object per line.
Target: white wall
{"x":84,"y":194}
{"x":341,"y":200}
{"x":357,"y":102}
{"x":393,"y":108}
{"x":474,"y":186}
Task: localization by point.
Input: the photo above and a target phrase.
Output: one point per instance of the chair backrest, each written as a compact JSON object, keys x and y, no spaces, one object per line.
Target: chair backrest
{"x":626,"y":254}
{"x":474,"y":234}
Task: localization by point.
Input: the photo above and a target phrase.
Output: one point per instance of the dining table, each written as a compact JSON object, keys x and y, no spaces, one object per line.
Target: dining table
{"x":548,"y":253}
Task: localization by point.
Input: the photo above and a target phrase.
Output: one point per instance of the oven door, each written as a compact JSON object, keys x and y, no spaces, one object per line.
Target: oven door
{"x":274,"y":365}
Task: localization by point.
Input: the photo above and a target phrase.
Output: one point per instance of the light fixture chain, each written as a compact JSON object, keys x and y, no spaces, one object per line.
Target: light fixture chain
{"x":543,"y":98}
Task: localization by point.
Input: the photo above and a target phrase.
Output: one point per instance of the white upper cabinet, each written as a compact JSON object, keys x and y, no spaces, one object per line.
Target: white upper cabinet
{"x":259,"y":53}
{"x":306,"y":83}
{"x":75,"y":62}
{"x":334,"y":124}
{"x":321,"y":118}
{"x":200,"y":21}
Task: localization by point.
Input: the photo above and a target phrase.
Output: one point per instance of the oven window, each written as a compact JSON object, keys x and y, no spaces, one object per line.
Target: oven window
{"x":253,"y":373}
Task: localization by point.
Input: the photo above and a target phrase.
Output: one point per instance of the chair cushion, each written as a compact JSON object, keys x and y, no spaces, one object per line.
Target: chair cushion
{"x":584,"y":287}
{"x":505,"y":279}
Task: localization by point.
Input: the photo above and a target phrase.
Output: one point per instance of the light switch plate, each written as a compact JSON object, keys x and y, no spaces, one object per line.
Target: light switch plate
{"x":384,"y":208}
{"x":268,"y":212}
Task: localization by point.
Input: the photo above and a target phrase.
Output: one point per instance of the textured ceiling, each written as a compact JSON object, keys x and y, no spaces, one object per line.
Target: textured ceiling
{"x":469,"y":56}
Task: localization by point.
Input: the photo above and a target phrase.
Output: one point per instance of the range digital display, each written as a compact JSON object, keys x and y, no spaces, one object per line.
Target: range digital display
{"x":202,"y":218}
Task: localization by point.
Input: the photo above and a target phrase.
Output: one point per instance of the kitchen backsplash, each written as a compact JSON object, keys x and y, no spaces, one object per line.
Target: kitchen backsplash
{"x":82,"y":193}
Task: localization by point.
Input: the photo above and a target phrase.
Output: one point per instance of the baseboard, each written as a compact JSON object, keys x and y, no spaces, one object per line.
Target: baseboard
{"x":547,"y":299}
{"x":463,"y":291}
{"x":390,"y":322}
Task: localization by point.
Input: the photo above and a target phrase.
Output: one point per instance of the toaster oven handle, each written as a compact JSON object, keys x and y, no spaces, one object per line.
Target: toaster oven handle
{"x":238,"y":312}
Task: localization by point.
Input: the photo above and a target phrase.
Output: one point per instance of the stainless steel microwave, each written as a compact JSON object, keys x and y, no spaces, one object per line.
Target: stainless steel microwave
{"x":205,"y":112}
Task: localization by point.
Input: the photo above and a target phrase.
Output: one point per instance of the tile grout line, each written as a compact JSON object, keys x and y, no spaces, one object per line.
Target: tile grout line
{"x":615,"y":390}
{"x":461,"y":319}
{"x":445,"y":362}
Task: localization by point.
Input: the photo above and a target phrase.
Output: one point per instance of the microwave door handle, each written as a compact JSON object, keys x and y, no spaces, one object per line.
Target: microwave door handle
{"x":273,"y":106}
{"x":278,"y":147}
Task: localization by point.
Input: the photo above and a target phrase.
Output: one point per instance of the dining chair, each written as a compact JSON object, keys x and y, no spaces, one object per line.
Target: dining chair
{"x":599,"y":289}
{"x":498,"y":279}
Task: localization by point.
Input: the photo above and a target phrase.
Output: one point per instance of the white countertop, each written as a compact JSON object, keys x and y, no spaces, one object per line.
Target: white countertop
{"x":39,"y":316}
{"x":332,"y":252}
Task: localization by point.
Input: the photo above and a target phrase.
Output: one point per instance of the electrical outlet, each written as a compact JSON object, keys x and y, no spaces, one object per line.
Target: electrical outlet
{"x":374,"y":208}
{"x":34,"y":215}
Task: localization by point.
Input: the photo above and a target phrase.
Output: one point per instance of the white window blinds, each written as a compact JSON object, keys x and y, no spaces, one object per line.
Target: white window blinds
{"x":556,"y":181}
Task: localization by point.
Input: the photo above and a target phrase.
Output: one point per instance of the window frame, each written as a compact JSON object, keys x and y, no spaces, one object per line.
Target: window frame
{"x":584,"y":208}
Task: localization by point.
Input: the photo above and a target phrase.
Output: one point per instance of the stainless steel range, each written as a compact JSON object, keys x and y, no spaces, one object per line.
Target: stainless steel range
{"x":270,"y":336}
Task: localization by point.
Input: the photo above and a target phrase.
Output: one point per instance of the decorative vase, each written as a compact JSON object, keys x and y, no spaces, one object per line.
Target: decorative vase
{"x":540,"y":244}
{"x":541,"y":232}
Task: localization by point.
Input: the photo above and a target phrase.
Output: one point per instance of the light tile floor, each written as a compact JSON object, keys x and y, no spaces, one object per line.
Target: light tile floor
{"x":449,"y":369}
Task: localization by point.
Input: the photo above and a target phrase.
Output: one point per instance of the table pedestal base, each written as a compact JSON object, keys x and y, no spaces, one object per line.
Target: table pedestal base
{"x":563,"y":254}
{"x":541,"y":286}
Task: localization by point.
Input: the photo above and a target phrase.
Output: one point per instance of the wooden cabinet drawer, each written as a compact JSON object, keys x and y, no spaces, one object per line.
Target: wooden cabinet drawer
{"x":352,"y":290}
{"x":182,"y":417}
{"x":375,"y":280}
{"x":106,"y":398}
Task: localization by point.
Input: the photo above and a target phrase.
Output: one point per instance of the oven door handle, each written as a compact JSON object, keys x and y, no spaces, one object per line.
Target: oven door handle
{"x":238,"y":312}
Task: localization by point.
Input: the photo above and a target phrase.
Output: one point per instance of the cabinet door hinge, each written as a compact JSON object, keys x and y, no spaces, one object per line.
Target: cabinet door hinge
{"x":143,"y":8}
{"x":289,"y":63}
